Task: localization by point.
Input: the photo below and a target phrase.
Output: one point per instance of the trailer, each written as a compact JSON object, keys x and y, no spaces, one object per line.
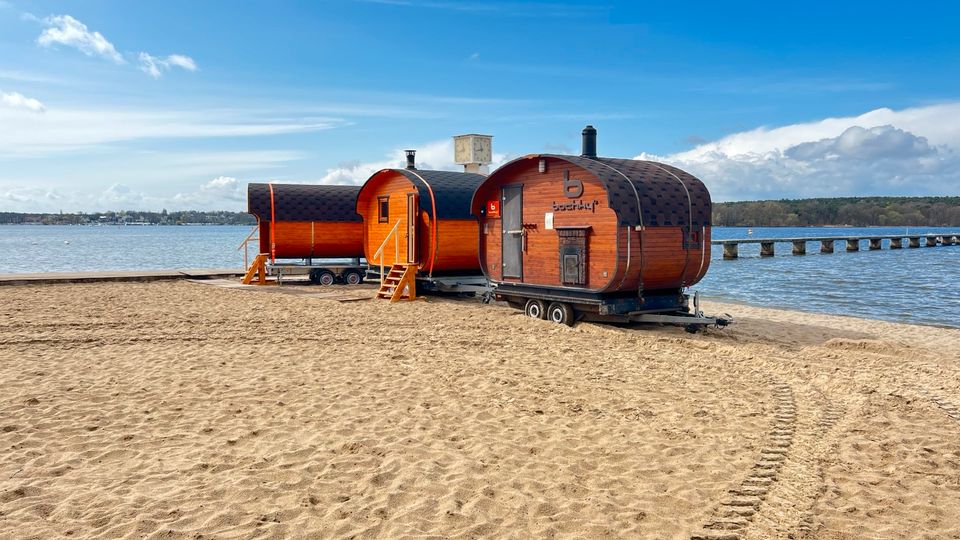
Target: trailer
{"x":569,"y":306}
{"x":471,"y":284}
{"x":568,"y":238}
{"x":320,"y":272}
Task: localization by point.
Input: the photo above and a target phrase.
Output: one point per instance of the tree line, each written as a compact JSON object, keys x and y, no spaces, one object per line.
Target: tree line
{"x":186,"y":217}
{"x":849,"y":211}
{"x":845,"y":211}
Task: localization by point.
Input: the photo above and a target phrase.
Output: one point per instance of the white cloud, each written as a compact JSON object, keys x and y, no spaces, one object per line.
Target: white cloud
{"x":67,"y":31}
{"x":220,"y":193}
{"x":47,"y":199}
{"x":155,"y":66}
{"x":22,"y":76}
{"x":121,"y":197}
{"x":28,"y":199}
{"x":64,"y":129}
{"x":19,"y":101}
{"x":437,"y":155}
{"x":883,"y":152}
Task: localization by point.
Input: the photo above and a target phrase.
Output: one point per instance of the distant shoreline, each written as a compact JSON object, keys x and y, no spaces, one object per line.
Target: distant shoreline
{"x":128,"y":224}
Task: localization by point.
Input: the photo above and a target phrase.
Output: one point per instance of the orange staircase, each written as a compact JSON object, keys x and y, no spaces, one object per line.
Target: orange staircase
{"x":399,"y":283}
{"x":257,"y":270}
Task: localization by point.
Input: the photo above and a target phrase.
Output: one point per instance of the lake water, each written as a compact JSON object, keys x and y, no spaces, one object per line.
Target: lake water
{"x":910,"y":285}
{"x":65,"y":248}
{"x":906,"y":285}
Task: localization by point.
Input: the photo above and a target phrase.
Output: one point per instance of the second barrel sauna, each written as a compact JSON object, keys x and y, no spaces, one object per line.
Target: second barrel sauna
{"x":420,"y":219}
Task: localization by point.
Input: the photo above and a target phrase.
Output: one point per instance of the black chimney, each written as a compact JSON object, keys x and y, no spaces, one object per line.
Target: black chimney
{"x":589,"y":142}
{"x":410,"y":159}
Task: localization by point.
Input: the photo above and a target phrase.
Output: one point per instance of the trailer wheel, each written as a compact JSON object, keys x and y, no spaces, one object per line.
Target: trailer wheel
{"x":535,"y":308}
{"x":320,"y":276}
{"x":559,"y":312}
{"x":352,"y":277}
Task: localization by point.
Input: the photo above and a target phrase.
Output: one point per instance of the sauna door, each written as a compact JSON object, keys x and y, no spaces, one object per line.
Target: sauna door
{"x":512,"y":226}
{"x":413,"y":211}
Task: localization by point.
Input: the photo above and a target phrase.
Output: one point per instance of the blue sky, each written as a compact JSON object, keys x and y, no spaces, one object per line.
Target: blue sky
{"x":124,"y":105}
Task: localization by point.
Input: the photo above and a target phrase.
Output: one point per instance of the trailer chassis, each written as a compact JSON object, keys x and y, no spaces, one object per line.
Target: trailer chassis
{"x":567,"y":306}
{"x":320,"y":272}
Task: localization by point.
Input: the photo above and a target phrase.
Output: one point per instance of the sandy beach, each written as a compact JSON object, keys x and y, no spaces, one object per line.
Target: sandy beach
{"x":184,"y":410}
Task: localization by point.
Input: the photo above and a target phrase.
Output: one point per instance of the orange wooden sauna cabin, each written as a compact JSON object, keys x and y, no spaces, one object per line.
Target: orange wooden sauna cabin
{"x":571,"y":237}
{"x":300,"y":221}
{"x":417,"y":224}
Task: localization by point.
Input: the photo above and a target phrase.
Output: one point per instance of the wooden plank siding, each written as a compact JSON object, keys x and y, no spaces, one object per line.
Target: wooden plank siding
{"x":396,"y":187}
{"x":456,"y":246}
{"x":657,"y":258}
{"x":456,"y":239}
{"x":541,"y":260}
{"x":316,"y":239}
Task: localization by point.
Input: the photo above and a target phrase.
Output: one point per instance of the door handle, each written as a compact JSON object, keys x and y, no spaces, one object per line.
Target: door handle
{"x":518,"y":231}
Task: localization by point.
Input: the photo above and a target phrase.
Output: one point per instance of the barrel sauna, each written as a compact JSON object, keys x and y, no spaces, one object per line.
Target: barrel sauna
{"x":300,"y":221}
{"x":586,"y":236}
{"x":420,"y":217}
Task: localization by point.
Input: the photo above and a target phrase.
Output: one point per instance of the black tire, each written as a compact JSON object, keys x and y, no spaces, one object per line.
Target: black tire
{"x":535,"y":308}
{"x":561,"y":313}
{"x":352,"y":277}
{"x":320,"y":276}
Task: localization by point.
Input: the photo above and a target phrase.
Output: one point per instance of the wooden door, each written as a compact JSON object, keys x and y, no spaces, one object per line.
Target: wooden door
{"x":511,"y":202}
{"x":413,"y":211}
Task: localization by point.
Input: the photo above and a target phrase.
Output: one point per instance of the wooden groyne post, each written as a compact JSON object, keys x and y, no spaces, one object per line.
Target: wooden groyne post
{"x":731,"y":248}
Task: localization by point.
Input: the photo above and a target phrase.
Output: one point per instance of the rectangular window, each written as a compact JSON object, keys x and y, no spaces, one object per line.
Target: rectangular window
{"x":383,"y":214}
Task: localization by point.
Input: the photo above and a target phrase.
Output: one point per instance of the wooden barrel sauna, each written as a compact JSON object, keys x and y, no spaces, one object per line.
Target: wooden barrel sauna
{"x":301,"y":221}
{"x":625,"y":233}
{"x":420,"y":217}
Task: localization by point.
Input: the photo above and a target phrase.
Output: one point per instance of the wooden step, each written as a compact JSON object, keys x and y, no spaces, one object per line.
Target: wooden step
{"x":399,"y":283}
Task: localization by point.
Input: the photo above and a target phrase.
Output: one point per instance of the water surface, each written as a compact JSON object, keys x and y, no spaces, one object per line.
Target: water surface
{"x":908,"y":285}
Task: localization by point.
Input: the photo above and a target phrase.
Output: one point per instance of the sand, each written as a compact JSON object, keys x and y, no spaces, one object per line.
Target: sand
{"x":182,"y":410}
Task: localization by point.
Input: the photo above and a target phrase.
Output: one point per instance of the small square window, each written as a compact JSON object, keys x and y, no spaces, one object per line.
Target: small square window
{"x":383,"y":205}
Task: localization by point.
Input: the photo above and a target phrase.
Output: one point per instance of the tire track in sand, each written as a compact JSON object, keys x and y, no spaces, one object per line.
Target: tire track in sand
{"x":831,"y":414}
{"x":943,"y":404}
{"x":738,"y":510}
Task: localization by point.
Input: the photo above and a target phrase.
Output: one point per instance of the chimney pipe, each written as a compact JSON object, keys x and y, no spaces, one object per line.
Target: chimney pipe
{"x":589,"y":142}
{"x":411,"y":159}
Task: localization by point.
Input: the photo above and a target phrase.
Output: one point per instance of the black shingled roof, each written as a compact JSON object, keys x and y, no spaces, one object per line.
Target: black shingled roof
{"x":660,"y":187}
{"x":304,"y":202}
{"x":452,"y":191}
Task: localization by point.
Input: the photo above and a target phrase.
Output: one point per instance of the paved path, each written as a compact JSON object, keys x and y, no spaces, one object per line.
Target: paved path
{"x":117,"y":275}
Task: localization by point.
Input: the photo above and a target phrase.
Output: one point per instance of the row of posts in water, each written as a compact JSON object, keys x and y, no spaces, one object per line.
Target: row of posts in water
{"x":731,"y":248}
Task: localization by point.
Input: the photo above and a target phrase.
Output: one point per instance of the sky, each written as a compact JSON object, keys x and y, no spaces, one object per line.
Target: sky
{"x":111,"y":105}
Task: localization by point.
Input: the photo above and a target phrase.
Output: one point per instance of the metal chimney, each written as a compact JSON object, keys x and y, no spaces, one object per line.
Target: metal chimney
{"x":411,"y":159}
{"x":589,"y":142}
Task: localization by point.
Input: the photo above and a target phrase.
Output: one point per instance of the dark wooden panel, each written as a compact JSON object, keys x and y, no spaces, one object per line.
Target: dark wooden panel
{"x":657,"y":258}
{"x":541,"y":260}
